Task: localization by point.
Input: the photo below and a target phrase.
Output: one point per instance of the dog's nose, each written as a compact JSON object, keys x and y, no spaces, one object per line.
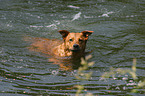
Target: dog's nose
{"x":76,"y":46}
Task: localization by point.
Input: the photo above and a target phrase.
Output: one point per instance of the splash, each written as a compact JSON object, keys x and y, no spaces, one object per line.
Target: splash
{"x":106,"y":14}
{"x":53,"y":26}
{"x":77,"y":16}
{"x":71,"y":6}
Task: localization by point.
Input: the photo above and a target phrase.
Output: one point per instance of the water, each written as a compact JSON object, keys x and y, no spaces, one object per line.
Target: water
{"x":118,"y":37}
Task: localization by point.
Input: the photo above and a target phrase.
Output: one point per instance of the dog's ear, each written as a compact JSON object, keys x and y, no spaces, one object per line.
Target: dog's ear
{"x":87,"y":33}
{"x":64,"y":33}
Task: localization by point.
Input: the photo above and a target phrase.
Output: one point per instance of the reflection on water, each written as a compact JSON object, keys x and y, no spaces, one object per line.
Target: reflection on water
{"x":66,"y":64}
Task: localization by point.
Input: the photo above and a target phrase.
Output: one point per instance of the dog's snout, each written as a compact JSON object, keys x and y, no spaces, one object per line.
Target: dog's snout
{"x":76,"y":46}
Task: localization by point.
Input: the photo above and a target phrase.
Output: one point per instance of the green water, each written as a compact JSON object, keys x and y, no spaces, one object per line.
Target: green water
{"x":119,"y":36}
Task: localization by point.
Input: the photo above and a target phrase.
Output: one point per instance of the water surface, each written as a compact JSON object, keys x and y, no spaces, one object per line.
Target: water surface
{"x":118,"y":37}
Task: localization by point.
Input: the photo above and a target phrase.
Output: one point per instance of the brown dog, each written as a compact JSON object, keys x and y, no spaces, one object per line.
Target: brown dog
{"x":73,"y":44}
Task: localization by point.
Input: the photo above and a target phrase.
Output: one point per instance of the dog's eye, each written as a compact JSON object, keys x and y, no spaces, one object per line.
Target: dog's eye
{"x":70,"y":40}
{"x":80,"y":40}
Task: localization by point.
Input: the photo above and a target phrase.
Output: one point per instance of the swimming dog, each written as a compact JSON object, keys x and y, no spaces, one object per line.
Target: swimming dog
{"x":73,"y":44}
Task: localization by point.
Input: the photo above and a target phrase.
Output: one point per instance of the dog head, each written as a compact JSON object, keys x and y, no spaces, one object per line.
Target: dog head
{"x":75,"y":42}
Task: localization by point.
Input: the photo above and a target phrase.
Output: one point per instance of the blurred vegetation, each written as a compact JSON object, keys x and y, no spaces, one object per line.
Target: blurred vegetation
{"x":113,"y":72}
{"x":82,"y":75}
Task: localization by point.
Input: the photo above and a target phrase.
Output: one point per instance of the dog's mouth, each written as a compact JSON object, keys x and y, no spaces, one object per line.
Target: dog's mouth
{"x":75,"y":50}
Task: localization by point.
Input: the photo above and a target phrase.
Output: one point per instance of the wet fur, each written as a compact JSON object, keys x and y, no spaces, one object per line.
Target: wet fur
{"x":73,"y":44}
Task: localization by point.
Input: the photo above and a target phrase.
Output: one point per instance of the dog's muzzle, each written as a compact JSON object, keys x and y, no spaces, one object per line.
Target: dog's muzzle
{"x":75,"y":48}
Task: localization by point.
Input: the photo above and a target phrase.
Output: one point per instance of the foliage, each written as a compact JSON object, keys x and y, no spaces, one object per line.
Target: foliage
{"x":114,"y":71}
{"x":131,"y":71}
{"x":82,"y":75}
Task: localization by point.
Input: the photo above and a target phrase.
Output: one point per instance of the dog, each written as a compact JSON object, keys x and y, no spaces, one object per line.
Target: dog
{"x":67,"y":53}
{"x":73,"y":44}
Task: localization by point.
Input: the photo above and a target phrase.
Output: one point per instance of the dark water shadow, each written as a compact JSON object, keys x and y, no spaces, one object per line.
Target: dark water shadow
{"x":66,"y":63}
